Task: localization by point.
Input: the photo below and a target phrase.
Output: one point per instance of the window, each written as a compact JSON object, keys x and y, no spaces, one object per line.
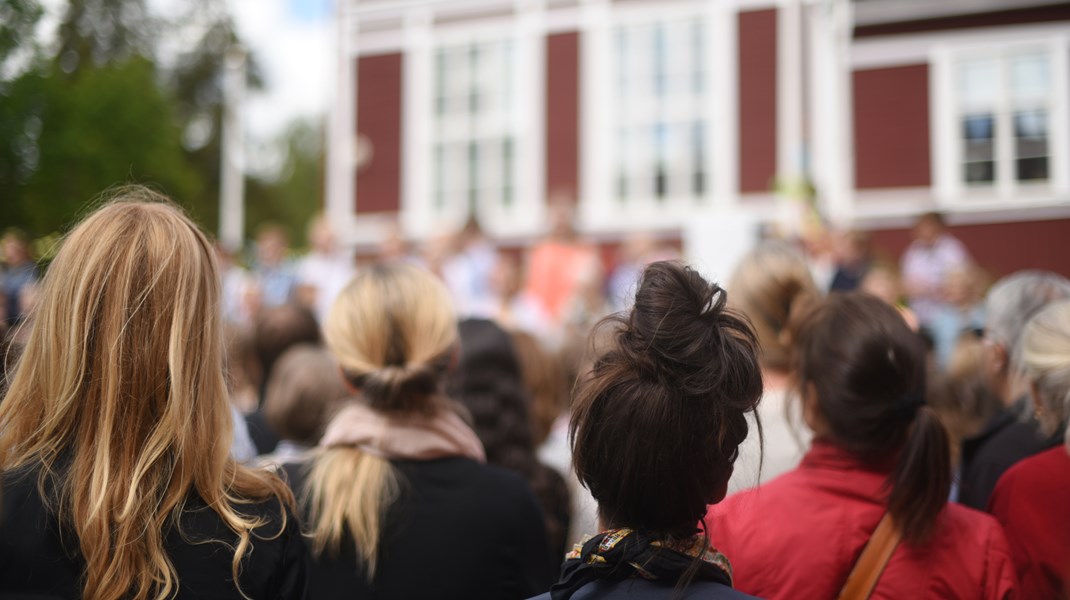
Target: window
{"x":660,"y":121}
{"x":472,"y":133}
{"x":659,"y":114}
{"x":998,"y":107}
{"x":473,"y":128}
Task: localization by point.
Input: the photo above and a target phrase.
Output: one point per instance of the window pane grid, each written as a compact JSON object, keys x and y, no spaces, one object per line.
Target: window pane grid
{"x":473,"y":127}
{"x":659,"y":136}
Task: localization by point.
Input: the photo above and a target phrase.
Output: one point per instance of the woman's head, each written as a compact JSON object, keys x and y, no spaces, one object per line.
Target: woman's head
{"x":393,"y":330}
{"x":303,"y":392}
{"x":487,"y":381}
{"x":771,"y":282}
{"x":657,"y":420}
{"x":126,"y":346}
{"x":1045,"y":360}
{"x":861,"y":372}
{"x":127,"y":341}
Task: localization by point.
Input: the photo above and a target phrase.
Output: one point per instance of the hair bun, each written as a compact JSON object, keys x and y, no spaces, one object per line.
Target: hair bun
{"x":678,"y":320}
{"x":402,"y":389}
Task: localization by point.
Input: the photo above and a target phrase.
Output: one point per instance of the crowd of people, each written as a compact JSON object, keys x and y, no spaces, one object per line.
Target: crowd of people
{"x":562,"y":422}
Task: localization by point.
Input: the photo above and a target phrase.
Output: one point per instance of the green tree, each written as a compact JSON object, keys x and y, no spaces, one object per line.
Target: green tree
{"x":107,"y":126}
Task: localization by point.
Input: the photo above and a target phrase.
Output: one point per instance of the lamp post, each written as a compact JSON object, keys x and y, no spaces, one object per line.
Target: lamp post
{"x":232,"y":155}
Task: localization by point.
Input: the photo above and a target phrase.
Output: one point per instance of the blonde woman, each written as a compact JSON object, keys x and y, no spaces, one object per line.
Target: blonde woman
{"x":1031,"y":498}
{"x":399,"y":501}
{"x":115,"y":431}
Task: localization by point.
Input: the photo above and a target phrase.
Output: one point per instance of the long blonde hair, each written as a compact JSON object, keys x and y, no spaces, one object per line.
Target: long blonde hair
{"x":119,"y":397}
{"x":392,"y":330}
{"x":1045,"y":359}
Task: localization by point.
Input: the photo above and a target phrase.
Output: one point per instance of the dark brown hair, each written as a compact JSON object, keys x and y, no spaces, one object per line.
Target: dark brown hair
{"x":278,"y":329}
{"x":867,"y":369}
{"x":657,"y":420}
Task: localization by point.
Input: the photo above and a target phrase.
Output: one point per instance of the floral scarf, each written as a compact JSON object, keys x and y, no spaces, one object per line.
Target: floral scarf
{"x":620,"y":554}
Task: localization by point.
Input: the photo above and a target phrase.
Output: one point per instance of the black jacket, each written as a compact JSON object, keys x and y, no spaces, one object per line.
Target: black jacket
{"x":38,"y":560}
{"x":459,"y":529}
{"x":1005,"y":440}
{"x":641,"y":589}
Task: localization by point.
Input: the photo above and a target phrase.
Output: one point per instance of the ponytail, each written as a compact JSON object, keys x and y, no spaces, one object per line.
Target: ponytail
{"x":921,"y":480}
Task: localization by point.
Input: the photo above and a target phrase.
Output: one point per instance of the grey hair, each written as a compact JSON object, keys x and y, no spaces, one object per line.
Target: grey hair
{"x":1046,"y":362}
{"x":1013,"y":301}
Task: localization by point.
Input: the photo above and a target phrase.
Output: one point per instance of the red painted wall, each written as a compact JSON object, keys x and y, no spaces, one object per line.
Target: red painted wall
{"x":891,"y":127}
{"x":379,"y":120}
{"x":562,"y":114}
{"x":1018,"y":16}
{"x":757,"y":99}
{"x":1000,"y":248}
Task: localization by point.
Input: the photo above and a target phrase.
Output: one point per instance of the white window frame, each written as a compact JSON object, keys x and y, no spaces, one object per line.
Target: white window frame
{"x":525,"y":213}
{"x":600,"y":211}
{"x":950,"y":189}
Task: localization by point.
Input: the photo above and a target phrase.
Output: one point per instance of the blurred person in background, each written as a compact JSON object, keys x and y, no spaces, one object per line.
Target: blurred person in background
{"x":1032,"y":498}
{"x":588,"y":303}
{"x":853,"y":254}
{"x":556,"y":265}
{"x":637,"y":251}
{"x":962,"y":399}
{"x":928,"y":261}
{"x":488,"y":382}
{"x":273,"y":272}
{"x":962,"y":314}
{"x":303,"y":393}
{"x":276,"y":330}
{"x":657,"y":423}
{"x":18,"y":273}
{"x":110,"y":489}
{"x":515,"y":308}
{"x":1010,"y":435}
{"x":771,"y":283}
{"x":398,"y":499}
{"x":241,"y":296}
{"x":324,"y":271}
{"x":544,"y":379}
{"x":469,"y":270}
{"x":882,"y":281}
{"x":880,"y":457}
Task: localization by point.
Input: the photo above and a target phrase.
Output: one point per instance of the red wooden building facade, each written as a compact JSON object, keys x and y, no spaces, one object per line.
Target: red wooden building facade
{"x":652,"y":114}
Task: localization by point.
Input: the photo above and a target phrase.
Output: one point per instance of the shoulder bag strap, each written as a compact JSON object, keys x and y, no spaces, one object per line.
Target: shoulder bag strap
{"x":871,"y":563}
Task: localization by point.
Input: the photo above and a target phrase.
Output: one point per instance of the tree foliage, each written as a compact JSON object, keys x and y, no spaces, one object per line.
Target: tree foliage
{"x":125,"y":96}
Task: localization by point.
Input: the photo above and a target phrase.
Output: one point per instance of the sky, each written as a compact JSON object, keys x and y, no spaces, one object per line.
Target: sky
{"x":294,"y":41}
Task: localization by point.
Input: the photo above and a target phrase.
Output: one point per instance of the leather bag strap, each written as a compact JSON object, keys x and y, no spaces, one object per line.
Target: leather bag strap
{"x":871,"y":563}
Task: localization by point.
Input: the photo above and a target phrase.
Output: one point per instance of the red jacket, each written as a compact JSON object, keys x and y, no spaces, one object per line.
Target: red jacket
{"x":1032,"y":501}
{"x":799,"y":535}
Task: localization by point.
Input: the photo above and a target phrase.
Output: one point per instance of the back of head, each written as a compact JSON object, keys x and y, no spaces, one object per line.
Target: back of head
{"x":392,"y":330}
{"x":1014,"y":300}
{"x":304,"y":390}
{"x":126,"y":346}
{"x":279,"y":328}
{"x":544,"y":376}
{"x":658,"y":419}
{"x":1046,"y":362}
{"x":858,"y":360}
{"x":771,"y":282}
{"x":488,"y":383}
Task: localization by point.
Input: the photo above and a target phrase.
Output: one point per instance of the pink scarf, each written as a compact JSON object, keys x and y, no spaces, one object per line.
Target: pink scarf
{"x":406,"y":437}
